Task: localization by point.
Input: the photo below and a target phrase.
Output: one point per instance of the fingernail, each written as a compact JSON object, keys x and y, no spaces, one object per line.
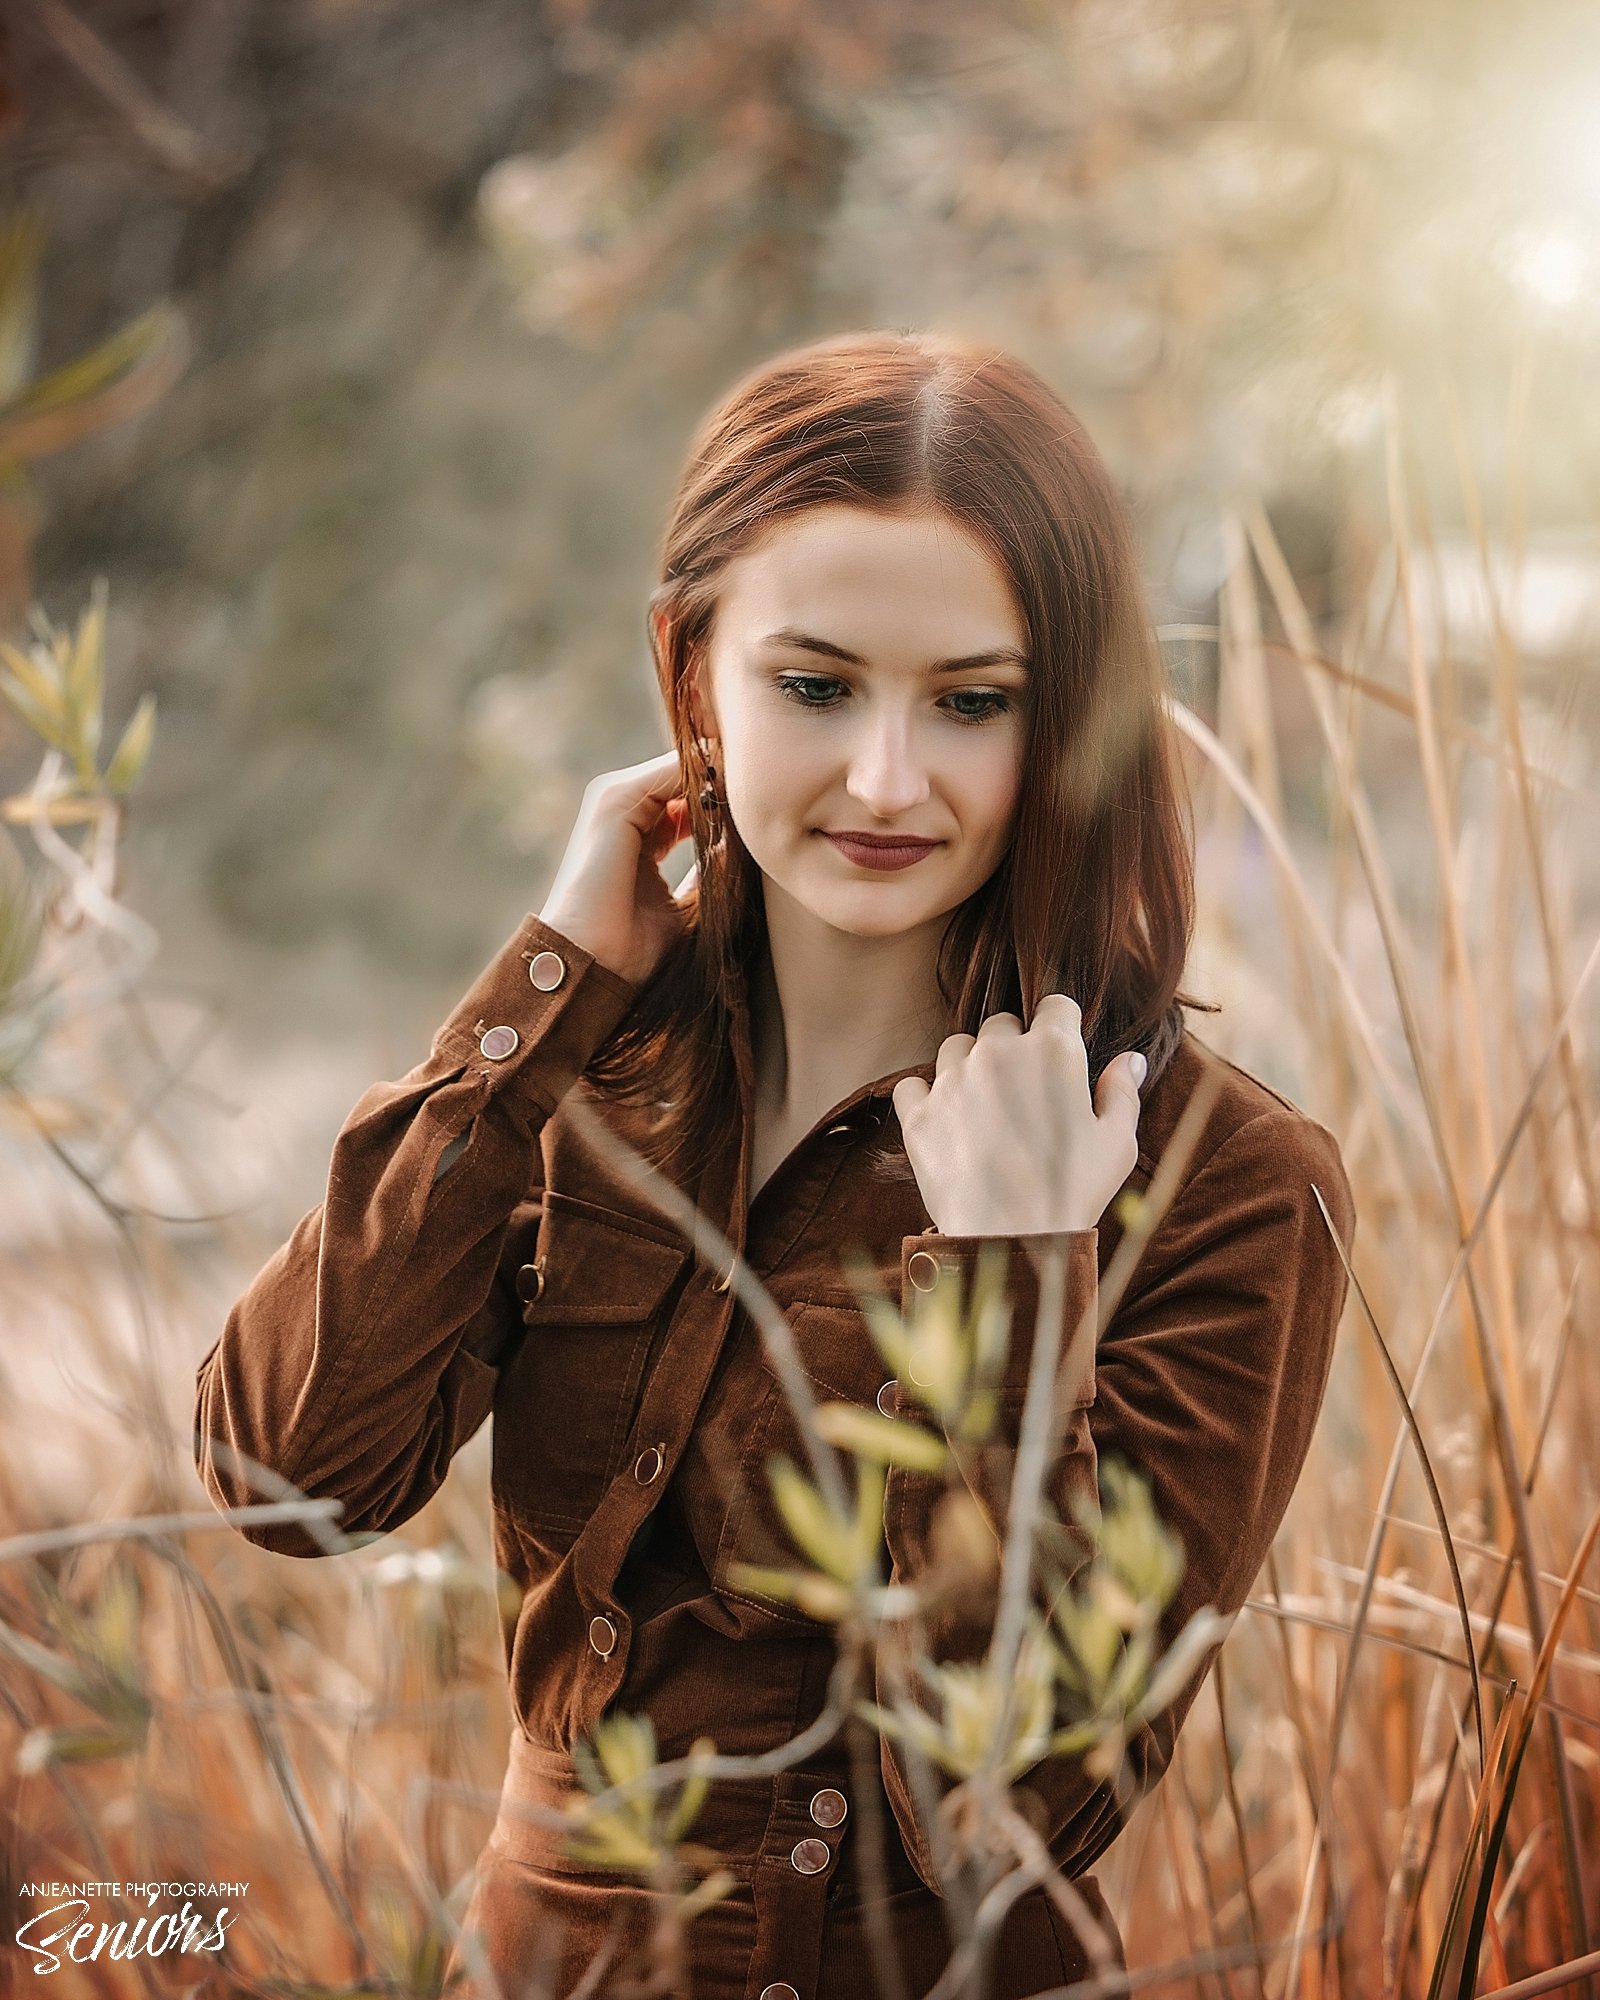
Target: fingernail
{"x":1138,"y":1065}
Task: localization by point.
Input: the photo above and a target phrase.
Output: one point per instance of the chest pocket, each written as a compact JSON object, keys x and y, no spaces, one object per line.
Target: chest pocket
{"x":568,"y":1397}
{"x":842,"y":1365}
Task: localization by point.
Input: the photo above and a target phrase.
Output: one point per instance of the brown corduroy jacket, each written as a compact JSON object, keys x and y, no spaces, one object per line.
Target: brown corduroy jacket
{"x":634,"y":1410}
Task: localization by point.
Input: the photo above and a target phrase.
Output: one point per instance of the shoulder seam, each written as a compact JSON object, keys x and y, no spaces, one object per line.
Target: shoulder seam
{"x":1274,"y":1114}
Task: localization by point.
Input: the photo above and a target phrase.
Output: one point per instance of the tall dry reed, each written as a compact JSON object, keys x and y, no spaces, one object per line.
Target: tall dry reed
{"x":1391,"y":1786}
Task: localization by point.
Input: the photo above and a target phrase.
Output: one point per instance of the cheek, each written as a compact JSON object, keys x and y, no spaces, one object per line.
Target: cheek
{"x":990,"y":790}
{"x":771,"y":766}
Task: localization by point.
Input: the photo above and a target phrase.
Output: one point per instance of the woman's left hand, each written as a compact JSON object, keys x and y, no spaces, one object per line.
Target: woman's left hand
{"x":1006,"y":1140}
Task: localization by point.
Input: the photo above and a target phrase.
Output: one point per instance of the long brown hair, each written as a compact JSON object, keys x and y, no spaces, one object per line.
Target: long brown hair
{"x":1095,"y":894}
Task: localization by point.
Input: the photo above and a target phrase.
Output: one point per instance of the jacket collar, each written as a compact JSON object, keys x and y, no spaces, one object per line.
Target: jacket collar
{"x":743,"y":1044}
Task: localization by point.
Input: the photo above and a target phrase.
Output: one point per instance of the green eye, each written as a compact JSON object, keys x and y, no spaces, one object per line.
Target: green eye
{"x":994,"y":703}
{"x":822,"y":691}
{"x":802,"y":687}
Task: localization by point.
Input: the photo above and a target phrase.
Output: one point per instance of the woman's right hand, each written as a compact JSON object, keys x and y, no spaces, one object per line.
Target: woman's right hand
{"x":609,"y":894}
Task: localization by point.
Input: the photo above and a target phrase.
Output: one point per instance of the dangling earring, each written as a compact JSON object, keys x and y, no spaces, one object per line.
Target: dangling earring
{"x":709,"y":801}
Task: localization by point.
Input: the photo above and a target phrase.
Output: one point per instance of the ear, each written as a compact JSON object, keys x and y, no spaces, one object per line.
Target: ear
{"x":660,"y":623}
{"x":702,"y":711}
{"x":658,"y":628}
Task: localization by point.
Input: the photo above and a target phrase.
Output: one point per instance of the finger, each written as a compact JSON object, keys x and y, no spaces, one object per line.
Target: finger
{"x":951,"y":1051}
{"x":907,"y":1094}
{"x":642,"y":790}
{"x":670,"y":829}
{"x":647,"y":774}
{"x":685,"y":888}
{"x":1060,"y":1013}
{"x":1117,"y":1093}
{"x":996,"y":1027}
{"x":1059,"y":1018}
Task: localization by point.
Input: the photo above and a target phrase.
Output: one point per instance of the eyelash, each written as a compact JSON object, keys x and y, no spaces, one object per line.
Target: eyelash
{"x":790,"y":684}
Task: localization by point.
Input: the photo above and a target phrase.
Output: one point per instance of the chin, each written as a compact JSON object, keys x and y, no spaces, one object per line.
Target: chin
{"x":882,"y":916}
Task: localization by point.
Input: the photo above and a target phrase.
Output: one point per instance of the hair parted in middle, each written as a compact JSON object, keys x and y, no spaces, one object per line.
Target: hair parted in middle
{"x":1095,"y":893}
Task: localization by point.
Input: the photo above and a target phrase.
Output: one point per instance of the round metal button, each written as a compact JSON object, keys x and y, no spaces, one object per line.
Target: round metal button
{"x":649,"y":1463}
{"x":922,"y":1268}
{"x":547,"y":969}
{"x":886,"y":1397}
{"x":780,"y":1989}
{"x":829,"y":1807}
{"x":498,"y":1043}
{"x":530,"y":1281}
{"x":602,"y":1635}
{"x":810,"y":1857}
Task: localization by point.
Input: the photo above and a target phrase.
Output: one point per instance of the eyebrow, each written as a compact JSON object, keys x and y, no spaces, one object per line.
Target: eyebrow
{"x":807,"y":642}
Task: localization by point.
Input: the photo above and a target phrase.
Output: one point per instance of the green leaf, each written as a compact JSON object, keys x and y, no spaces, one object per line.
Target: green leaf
{"x":133,"y":749}
{"x":1077,"y":1737}
{"x":626,"y":1746}
{"x":44,"y":722}
{"x":692,"y":1795}
{"x":817,"y":1530}
{"x":888,"y":1332}
{"x":85,"y":674}
{"x":990,"y":1315}
{"x":87,"y":1745}
{"x":611,"y":1841}
{"x":1095,"y":1638}
{"x":37,"y":672}
{"x":1141,"y":1550}
{"x":587,"y":1766}
{"x":98,"y":367}
{"x":915,"y":1727}
{"x":719,"y":1883}
{"x":870,"y":1477}
{"x":115,"y":1623}
{"x":887,"y":1440}
{"x":979,"y":1415}
{"x":1207,"y":1627}
{"x":21,"y":241}
{"x":112,"y":381}
{"x":819,"y":1597}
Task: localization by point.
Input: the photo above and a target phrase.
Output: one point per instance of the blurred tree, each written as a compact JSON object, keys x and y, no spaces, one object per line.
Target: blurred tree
{"x":461,"y":285}
{"x":114,"y":380}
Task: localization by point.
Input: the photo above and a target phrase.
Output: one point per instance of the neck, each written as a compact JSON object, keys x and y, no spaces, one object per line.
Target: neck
{"x":831,"y":1010}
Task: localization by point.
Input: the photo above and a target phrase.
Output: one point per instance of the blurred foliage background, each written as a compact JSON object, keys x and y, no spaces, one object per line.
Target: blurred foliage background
{"x":355,"y":344}
{"x":458,"y":285}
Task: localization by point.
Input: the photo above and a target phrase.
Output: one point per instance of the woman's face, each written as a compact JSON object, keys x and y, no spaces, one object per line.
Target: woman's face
{"x":868,"y":674}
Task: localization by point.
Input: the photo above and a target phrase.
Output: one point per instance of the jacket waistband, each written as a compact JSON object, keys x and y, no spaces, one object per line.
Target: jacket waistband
{"x":747,"y":1820}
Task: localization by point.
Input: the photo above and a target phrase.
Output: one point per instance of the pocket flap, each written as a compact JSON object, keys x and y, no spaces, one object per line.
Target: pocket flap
{"x":598,"y":1268}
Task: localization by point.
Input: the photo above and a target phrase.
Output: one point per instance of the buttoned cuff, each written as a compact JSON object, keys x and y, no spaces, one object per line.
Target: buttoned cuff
{"x":535,"y":1015}
{"x":926,"y":1258}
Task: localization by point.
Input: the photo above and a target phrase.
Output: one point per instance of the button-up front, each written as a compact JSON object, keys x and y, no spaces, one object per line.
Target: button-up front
{"x":474,"y":1254}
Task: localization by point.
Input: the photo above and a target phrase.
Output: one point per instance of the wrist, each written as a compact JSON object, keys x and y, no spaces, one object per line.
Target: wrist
{"x":572,"y":926}
{"x":978,"y":1223}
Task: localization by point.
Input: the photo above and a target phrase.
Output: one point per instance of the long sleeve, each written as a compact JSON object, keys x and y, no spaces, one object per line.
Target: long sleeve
{"x":363,"y":1354}
{"x":1208,"y":1380}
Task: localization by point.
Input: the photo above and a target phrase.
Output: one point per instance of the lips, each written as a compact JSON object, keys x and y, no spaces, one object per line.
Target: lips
{"x":880,"y":851}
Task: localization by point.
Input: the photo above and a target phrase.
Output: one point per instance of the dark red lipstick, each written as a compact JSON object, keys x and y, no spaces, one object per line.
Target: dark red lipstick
{"x":879,"y":850}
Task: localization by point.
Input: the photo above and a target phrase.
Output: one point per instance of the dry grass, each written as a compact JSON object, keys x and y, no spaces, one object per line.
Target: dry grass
{"x":1413,"y":1685}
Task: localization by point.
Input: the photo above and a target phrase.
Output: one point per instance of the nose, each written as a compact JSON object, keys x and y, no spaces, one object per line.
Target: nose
{"x":887,"y":774}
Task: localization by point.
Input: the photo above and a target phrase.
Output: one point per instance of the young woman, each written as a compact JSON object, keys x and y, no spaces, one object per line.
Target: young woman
{"x":921,"y":997}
